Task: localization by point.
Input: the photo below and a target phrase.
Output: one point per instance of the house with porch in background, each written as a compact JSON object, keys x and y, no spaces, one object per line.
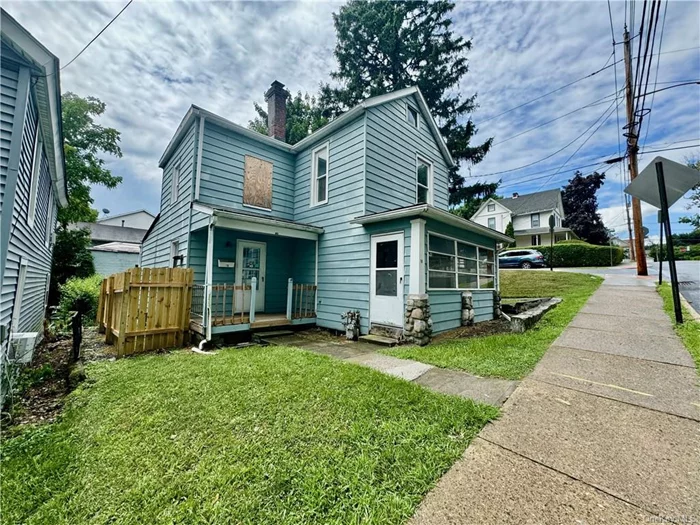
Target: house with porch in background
{"x":530,"y":217}
{"x":352,"y":218}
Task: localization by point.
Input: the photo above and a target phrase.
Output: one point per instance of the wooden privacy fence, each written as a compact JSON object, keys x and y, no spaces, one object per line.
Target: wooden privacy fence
{"x":145,"y":309}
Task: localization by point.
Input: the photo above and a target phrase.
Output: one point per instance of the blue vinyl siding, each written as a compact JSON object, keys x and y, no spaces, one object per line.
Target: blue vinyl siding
{"x":29,"y":243}
{"x":173,"y":223}
{"x":223,"y":162}
{"x":392,"y":147}
{"x":343,"y":258}
{"x":107,"y":263}
{"x":8,"y":95}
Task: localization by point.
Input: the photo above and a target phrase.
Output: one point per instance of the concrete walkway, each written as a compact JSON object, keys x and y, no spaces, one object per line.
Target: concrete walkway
{"x":482,"y":389}
{"x":605,"y":430}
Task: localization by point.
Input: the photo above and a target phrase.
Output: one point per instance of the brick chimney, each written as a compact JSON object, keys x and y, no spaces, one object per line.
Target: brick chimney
{"x":276,"y":98}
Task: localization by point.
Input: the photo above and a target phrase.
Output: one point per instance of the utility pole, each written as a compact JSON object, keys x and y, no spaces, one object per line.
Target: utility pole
{"x":629,"y":227}
{"x":632,"y":149}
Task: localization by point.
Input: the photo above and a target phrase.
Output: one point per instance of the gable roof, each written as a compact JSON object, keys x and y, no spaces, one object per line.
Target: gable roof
{"x":319,"y":134}
{"x":108,"y":233}
{"x":532,"y":202}
{"x":490,"y":200}
{"x":125,"y":214}
{"x":44,"y":70}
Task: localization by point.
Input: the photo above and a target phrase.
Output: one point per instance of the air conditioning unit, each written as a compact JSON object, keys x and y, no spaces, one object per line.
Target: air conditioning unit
{"x":22,"y":346}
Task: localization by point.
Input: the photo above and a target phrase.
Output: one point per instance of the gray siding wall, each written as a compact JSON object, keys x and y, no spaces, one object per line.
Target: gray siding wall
{"x":392,"y":147}
{"x":29,"y":243}
{"x":8,"y":96}
{"x":343,"y":258}
{"x":107,"y":263}
{"x":223,"y":161}
{"x":174,"y":217}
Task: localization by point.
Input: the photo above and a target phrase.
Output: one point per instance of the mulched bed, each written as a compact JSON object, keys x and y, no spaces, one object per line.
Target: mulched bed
{"x":43,"y":385}
{"x":496,"y":326}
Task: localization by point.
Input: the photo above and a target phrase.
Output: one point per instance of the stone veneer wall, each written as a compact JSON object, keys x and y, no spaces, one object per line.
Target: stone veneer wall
{"x":418,"y":325}
{"x":496,"y":304}
{"x":467,"y":309}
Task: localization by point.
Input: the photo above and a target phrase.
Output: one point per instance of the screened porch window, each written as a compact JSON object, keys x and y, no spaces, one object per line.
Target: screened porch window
{"x":455,"y":265}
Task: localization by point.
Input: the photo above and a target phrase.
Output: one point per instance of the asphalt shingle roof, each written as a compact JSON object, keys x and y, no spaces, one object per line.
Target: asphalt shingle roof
{"x":532,"y":202}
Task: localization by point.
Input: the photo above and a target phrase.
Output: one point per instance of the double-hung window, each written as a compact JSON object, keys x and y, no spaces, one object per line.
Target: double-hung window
{"x":424,"y":183}
{"x":492,"y":223}
{"x":454,"y":265}
{"x":535,"y":220}
{"x":491,"y":207}
{"x":319,"y":176}
{"x":412,"y":115}
{"x":36,"y":173}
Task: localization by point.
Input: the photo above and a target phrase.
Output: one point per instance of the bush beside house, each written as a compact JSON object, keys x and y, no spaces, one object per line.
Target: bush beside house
{"x":579,"y":253}
{"x":81,"y":295}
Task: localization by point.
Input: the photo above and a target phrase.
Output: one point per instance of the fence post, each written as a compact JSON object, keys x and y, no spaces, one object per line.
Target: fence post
{"x":186,"y":307}
{"x":124,"y":312}
{"x":109,"y":336}
{"x":101,"y":307}
{"x":290,"y":292}
{"x":253,"y":293}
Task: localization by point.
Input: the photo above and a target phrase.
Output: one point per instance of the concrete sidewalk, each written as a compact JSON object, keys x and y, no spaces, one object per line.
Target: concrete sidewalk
{"x":605,"y":430}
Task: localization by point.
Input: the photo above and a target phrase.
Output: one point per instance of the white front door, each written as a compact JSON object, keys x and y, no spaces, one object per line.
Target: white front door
{"x":386,"y":280}
{"x":250,"y":262}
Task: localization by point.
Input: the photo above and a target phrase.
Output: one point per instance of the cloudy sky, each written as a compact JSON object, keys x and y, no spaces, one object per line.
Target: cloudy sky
{"x":160,"y":57}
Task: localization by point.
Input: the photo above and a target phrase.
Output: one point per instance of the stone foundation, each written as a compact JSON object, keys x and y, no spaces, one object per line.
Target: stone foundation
{"x":418,"y":326}
{"x":496,"y":304}
{"x":467,"y":309}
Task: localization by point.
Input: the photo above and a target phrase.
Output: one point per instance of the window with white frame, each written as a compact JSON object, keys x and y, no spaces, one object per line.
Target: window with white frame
{"x":424,"y":182}
{"x":455,"y":265}
{"x":319,"y":176}
{"x":491,"y":207}
{"x":48,"y":236}
{"x":175,"y":185}
{"x":35,"y":174}
{"x":412,"y":115}
{"x":174,"y":254}
{"x":535,"y":220}
{"x":492,"y":223}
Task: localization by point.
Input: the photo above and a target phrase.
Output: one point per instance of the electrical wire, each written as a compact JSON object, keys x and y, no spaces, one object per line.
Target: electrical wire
{"x":693,"y":82}
{"x":655,"y":23}
{"x":656,"y":76}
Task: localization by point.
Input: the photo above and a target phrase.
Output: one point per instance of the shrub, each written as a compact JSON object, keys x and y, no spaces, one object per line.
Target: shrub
{"x":580,"y":253}
{"x":572,"y":241}
{"x":80,"y":295}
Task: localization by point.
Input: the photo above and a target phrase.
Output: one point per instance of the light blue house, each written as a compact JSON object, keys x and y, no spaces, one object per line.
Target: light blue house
{"x":353,"y":217}
{"x":32,"y":185}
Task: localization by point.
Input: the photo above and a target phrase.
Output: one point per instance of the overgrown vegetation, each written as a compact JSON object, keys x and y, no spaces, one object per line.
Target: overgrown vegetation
{"x":262,"y":435}
{"x":80,"y":295}
{"x":689,"y":331}
{"x":513,"y":356}
{"x":572,"y":254}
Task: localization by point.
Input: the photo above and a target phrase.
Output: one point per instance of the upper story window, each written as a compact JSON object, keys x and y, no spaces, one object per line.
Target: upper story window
{"x":424,"y":181}
{"x":412,"y":115}
{"x":455,"y":265}
{"x":491,"y":207}
{"x":175,"y":257}
{"x":257,"y":183}
{"x":319,"y":176}
{"x":35,"y":174}
{"x":492,"y":223}
{"x":535,"y":220}
{"x":175,"y":185}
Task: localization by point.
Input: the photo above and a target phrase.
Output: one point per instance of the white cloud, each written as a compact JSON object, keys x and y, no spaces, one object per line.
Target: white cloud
{"x":160,"y":57}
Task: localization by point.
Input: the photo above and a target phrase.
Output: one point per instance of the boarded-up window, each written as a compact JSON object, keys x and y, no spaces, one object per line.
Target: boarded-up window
{"x":257,"y":183}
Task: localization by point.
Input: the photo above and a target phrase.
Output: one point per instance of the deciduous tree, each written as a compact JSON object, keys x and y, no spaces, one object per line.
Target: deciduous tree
{"x":304,"y":116}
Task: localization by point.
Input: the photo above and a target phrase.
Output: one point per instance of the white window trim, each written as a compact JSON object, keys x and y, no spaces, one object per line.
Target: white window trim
{"x":174,"y":251}
{"x":456,"y":271}
{"x":539,"y":221}
{"x":49,"y":222}
{"x":314,"y":180}
{"x":409,"y":107}
{"x":424,"y":160}
{"x":489,"y":205}
{"x":488,"y":221}
{"x":35,"y":174}
{"x":175,"y":184}
{"x":19,"y":293}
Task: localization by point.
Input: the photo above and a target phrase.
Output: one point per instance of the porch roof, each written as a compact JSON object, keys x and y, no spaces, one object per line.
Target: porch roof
{"x":235,"y":219}
{"x":431,"y":212}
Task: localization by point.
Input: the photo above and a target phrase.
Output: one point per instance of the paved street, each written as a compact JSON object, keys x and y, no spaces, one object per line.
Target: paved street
{"x":605,"y":430}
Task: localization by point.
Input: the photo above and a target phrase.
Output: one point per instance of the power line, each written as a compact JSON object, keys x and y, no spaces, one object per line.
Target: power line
{"x":655,"y":23}
{"x":690,"y":83}
{"x":656,"y":76}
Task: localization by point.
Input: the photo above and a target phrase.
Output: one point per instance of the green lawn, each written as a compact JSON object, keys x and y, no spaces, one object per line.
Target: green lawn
{"x":689,"y":331}
{"x":261,"y":435}
{"x":512,"y":356}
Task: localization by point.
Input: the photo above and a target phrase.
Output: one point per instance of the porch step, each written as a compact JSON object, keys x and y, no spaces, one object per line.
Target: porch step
{"x":263,"y":336}
{"x":379,"y":340}
{"x":393,"y":332}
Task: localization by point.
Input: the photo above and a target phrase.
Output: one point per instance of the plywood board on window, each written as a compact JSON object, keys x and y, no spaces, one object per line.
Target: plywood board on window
{"x":257,"y":183}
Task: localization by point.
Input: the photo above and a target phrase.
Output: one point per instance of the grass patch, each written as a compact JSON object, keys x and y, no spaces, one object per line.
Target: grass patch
{"x":261,"y":435}
{"x":689,"y":331}
{"x":512,"y":356}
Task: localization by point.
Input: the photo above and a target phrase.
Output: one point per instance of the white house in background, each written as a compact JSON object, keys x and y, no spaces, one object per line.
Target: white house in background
{"x":140,"y":219}
{"x":530,"y":216}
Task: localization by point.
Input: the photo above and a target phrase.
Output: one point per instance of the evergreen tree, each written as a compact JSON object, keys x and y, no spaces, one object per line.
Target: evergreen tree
{"x":510,"y":232}
{"x":581,"y":208}
{"x":304,"y":116}
{"x":478,"y":193}
{"x":385,"y":46}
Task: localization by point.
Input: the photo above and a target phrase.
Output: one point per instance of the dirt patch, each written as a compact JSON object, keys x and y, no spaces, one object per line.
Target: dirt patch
{"x":320,"y":335}
{"x":42,"y":386}
{"x":496,"y":326}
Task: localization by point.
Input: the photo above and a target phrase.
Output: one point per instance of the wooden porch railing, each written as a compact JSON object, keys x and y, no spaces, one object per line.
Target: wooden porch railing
{"x":301,"y":300}
{"x":227,"y":304}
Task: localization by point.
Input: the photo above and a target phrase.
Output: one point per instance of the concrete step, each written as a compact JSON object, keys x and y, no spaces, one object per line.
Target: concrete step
{"x":264,"y":336}
{"x":379,"y":340}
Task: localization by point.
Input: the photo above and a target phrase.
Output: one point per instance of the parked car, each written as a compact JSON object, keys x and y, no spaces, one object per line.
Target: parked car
{"x":525,"y":259}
